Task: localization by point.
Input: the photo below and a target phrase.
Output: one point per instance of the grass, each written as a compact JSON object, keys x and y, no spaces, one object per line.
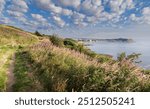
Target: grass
{"x":5,"y":58}
{"x":79,"y":47}
{"x":14,"y":37}
{"x":11,"y":39}
{"x":23,"y":73}
{"x":63,"y":69}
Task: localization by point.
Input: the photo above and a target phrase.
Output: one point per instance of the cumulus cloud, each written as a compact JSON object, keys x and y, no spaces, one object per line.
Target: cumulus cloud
{"x":67,"y":12}
{"x":61,"y":13}
{"x":86,"y":11}
{"x":17,"y":8}
{"x":144,"y":18}
{"x":92,"y":7}
{"x":120,"y":6}
{"x":133,"y":17}
{"x":146,"y":11}
{"x":38,"y":18}
{"x":146,"y":15}
{"x":58,"y":21}
{"x":15,"y":13}
{"x":48,"y":5}
{"x":5,"y":20}
{"x":70,"y":3}
{"x":2,"y":3}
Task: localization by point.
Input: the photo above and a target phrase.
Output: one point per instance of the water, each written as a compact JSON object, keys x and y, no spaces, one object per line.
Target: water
{"x":141,"y":46}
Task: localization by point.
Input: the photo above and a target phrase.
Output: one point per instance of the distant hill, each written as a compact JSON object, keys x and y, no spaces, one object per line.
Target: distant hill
{"x":107,"y":40}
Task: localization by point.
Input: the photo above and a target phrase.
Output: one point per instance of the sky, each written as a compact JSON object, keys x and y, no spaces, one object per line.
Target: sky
{"x":79,"y":18}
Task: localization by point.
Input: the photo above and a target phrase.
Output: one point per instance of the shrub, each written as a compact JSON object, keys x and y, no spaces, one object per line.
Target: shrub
{"x":37,"y":33}
{"x":56,"y":41}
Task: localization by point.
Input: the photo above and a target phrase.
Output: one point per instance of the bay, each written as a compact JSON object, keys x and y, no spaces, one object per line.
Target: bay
{"x":141,"y":46}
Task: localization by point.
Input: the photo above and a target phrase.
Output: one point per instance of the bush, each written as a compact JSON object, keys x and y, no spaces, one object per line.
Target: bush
{"x":70,"y":42}
{"x":57,"y":41}
{"x":37,"y":33}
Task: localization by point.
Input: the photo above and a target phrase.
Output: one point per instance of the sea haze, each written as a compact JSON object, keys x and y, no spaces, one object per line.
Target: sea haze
{"x":141,"y":46}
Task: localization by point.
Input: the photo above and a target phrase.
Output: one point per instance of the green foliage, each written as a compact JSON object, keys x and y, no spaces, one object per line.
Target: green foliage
{"x":133,"y":57}
{"x":103,"y":58}
{"x":24,"y":80}
{"x":37,"y":33}
{"x":122,"y":56}
{"x":146,"y":72}
{"x":5,"y":58}
{"x":56,"y":40}
{"x":74,"y":45}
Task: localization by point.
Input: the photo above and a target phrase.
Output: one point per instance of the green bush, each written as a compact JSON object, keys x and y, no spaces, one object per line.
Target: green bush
{"x":37,"y":33}
{"x":56,"y":41}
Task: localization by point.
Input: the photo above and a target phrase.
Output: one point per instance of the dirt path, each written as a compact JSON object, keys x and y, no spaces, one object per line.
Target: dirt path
{"x":10,"y":75}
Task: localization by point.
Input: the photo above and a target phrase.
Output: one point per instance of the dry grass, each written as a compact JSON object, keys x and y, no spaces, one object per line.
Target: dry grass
{"x":62,"y":69}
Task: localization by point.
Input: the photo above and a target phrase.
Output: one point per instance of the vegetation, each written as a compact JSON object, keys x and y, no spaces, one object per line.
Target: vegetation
{"x":14,"y":37}
{"x":11,"y":39}
{"x":75,"y":45}
{"x":37,"y":33}
{"x":5,"y":58}
{"x":51,"y":63}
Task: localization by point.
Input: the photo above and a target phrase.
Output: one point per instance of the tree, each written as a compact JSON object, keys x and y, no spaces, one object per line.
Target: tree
{"x":37,"y":33}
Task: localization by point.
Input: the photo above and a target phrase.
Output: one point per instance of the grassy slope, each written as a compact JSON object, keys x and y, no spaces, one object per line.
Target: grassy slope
{"x":61,"y":69}
{"x":44,"y":66}
{"x":14,"y":37}
{"x":10,"y":40}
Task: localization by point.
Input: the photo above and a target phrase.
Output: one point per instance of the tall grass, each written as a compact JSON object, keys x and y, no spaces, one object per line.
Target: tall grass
{"x":5,"y":58}
{"x":63,"y":69}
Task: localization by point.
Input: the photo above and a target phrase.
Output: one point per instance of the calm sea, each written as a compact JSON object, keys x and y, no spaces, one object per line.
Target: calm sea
{"x":141,"y":46}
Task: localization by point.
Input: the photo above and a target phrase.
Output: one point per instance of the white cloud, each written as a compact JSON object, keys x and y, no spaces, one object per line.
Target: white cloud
{"x":133,"y":17}
{"x":74,"y":12}
{"x":91,"y":19}
{"x":48,"y":5}
{"x":15,"y":13}
{"x":59,"y":22}
{"x":71,"y":3}
{"x":67,"y":12}
{"x":144,"y":18}
{"x":146,"y":15}
{"x":20,"y":5}
{"x":120,"y":6}
{"x":2,"y":3}
{"x":5,"y":20}
{"x":38,"y":17}
{"x":96,"y":2}
{"x":146,"y":11}
{"x":78,"y":18}
{"x":17,"y":8}
{"x":92,"y":7}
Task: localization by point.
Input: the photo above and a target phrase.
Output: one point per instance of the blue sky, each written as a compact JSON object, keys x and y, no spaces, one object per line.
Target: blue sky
{"x":77,"y":18}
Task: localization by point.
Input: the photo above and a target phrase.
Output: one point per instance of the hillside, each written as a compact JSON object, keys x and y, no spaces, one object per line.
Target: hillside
{"x":11,"y":39}
{"x":14,"y":36}
{"x":50,"y":63}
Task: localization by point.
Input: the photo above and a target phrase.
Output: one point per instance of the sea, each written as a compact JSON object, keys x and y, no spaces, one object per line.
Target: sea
{"x":141,"y":46}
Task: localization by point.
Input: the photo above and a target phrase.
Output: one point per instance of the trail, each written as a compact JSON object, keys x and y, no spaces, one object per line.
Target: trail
{"x":10,"y":75}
